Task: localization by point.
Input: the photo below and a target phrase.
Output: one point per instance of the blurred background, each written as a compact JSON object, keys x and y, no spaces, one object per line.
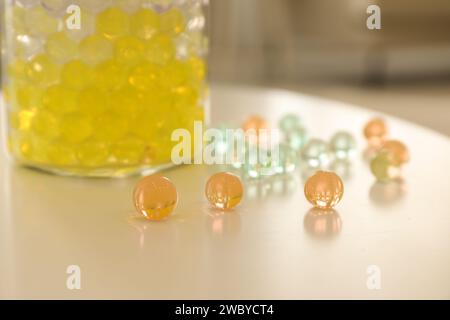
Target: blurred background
{"x":323,"y":47}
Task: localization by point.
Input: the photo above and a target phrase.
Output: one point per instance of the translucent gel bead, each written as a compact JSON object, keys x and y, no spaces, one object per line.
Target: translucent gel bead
{"x":259,"y":165}
{"x":175,"y":73}
{"x":383,"y":169}
{"x":60,"y":47}
{"x":129,"y":151}
{"x":42,"y":71}
{"x":46,"y":125}
{"x":39,"y":22}
{"x":61,"y":155}
{"x":129,"y":50}
{"x":224,"y":191}
{"x":95,"y":49}
{"x":316,"y":153}
{"x":75,"y":128}
{"x":129,"y":6}
{"x":18,"y":20}
{"x":375,"y":131}
{"x":198,"y":68}
{"x":94,"y":6}
{"x":28,"y":96}
{"x":160,"y":50}
{"x":145,"y":24}
{"x":110,"y":75}
{"x":55,"y":6}
{"x":113,"y":23}
{"x":92,"y":154}
{"x":110,"y":127}
{"x":127,"y":102}
{"x":92,"y":102}
{"x":76,"y":75}
{"x":155,"y":197}
{"x":398,"y":153}
{"x":324,"y":189}
{"x":17,"y":70}
{"x":290,"y":122}
{"x":145,"y":76}
{"x":27,"y":46}
{"x":297,"y":138}
{"x":256,"y":123}
{"x":59,"y":99}
{"x":342,"y":144}
{"x":287,"y":160}
{"x":26,"y":3}
{"x":21,"y":120}
{"x":173,"y":22}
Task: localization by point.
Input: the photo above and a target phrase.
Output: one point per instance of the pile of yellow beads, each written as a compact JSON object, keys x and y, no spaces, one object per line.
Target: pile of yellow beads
{"x":94,"y":102}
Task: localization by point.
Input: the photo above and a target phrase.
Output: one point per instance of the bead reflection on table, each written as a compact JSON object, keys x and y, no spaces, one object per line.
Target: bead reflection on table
{"x":220,"y":224}
{"x":322,"y":223}
{"x":387,"y":194}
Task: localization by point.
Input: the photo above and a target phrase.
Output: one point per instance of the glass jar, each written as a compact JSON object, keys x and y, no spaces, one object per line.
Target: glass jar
{"x":96,"y":87}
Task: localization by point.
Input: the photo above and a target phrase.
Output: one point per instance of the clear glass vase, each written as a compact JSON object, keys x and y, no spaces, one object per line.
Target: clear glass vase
{"x":96,"y":87}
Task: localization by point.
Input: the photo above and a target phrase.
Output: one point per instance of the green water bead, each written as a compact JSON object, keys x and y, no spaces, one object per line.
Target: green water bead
{"x":290,"y":122}
{"x":383,"y":169}
{"x":287,"y":159}
{"x":343,"y":145}
{"x":297,"y":138}
{"x":316,"y":153}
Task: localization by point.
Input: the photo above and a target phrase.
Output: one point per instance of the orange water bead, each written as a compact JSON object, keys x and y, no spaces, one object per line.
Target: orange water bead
{"x":224,"y":190}
{"x":324,"y":189}
{"x":155,"y":197}
{"x":396,"y":151}
{"x":375,"y":131}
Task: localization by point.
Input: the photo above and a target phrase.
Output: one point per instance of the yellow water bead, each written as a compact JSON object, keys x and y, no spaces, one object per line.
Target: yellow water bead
{"x":21,"y":120}
{"x":92,"y":102}
{"x":92,"y":154}
{"x":41,"y":70}
{"x":95,"y":49}
{"x":160,"y":50}
{"x":28,"y":96}
{"x":126,"y":102}
{"x":61,"y":155}
{"x":173,"y":22}
{"x":46,"y":125}
{"x":75,"y":128}
{"x":17,"y":70}
{"x":60,"y":47}
{"x":145,"y":23}
{"x":198,"y":68}
{"x":76,"y":75}
{"x":129,"y":151}
{"x":39,"y":22}
{"x":113,"y":23}
{"x":185,"y":96}
{"x":60,"y":99}
{"x":110,"y":127}
{"x":110,"y":75}
{"x":18,"y":20}
{"x":174,"y":74}
{"x":145,"y":76}
{"x":129,"y":50}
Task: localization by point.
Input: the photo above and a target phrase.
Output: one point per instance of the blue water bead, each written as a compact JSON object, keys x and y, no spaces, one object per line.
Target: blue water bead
{"x":343,"y":145}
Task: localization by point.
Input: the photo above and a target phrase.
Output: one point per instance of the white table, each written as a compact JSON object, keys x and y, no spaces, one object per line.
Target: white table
{"x":268,"y":249}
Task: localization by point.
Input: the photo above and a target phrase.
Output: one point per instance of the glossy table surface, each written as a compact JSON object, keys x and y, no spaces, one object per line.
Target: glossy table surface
{"x":271,"y":247}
